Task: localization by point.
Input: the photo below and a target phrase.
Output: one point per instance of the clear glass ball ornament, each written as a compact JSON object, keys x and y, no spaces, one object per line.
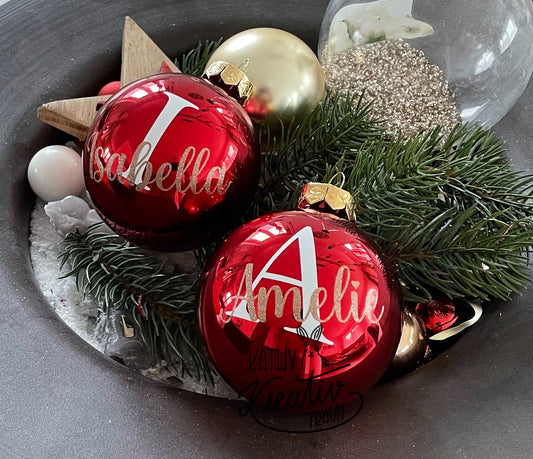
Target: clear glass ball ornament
{"x":484,"y":48}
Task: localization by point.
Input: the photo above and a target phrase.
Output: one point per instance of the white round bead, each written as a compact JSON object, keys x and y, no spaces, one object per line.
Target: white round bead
{"x":56,"y":172}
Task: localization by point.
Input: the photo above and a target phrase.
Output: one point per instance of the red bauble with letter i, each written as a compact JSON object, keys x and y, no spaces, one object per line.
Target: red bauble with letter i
{"x":170,"y":161}
{"x":299,"y":311}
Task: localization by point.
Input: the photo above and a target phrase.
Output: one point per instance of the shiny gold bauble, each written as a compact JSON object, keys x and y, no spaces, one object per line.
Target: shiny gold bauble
{"x":412,"y":348}
{"x":288,"y":77}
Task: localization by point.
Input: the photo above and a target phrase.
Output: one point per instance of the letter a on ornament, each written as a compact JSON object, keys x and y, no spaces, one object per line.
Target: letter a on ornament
{"x":308,"y":283}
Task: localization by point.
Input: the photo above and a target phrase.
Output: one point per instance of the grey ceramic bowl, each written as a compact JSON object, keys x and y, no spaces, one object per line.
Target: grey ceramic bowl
{"x":60,"y":398}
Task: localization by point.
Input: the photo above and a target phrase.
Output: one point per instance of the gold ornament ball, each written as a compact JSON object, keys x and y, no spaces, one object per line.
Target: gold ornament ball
{"x":412,"y":347}
{"x":288,"y":78}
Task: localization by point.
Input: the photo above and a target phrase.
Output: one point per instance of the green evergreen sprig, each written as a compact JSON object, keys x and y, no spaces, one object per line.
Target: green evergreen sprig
{"x":194,"y":62}
{"x":121,"y":277}
{"x":451,"y":213}
{"x":309,"y":147}
{"x":455,"y":217}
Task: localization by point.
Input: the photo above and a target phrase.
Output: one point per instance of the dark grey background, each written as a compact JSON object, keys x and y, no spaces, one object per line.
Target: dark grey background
{"x":60,"y":398}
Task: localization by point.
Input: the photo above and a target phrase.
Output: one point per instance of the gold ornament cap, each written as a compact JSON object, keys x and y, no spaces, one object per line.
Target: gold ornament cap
{"x":325,"y":197}
{"x":231,"y":79}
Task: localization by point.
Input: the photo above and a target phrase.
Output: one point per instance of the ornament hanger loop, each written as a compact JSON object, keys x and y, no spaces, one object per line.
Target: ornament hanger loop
{"x":341,"y":174}
{"x":244,"y":65}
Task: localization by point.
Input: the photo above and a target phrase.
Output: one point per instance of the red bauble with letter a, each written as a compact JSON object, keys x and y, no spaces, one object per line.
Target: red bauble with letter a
{"x":169,"y":161}
{"x":299,"y":312}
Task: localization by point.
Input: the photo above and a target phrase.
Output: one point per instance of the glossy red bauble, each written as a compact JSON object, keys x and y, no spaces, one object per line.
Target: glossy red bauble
{"x":169,"y":161}
{"x":437,"y":315}
{"x":109,"y":88}
{"x":299,"y":312}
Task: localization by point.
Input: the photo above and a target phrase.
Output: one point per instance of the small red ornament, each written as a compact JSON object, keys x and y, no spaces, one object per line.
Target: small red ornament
{"x":109,"y":88}
{"x":169,"y":161}
{"x":299,"y":312}
{"x":437,"y":315}
{"x":165,"y":68}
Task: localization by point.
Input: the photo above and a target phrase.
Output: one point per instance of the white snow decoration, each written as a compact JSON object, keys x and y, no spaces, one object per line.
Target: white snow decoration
{"x":72,"y":214}
{"x":79,"y":312}
{"x":362,"y":23}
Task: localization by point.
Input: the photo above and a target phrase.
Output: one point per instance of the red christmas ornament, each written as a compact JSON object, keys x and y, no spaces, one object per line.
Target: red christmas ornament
{"x":299,"y":312}
{"x":169,"y":161}
{"x":109,"y":88}
{"x":437,"y":315}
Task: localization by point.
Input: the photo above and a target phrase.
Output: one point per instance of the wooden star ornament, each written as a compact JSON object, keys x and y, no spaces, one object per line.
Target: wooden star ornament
{"x":141,"y":57}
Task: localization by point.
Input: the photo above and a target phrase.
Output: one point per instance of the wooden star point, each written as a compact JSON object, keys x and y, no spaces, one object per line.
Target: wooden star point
{"x":141,"y":57}
{"x":73,"y":116}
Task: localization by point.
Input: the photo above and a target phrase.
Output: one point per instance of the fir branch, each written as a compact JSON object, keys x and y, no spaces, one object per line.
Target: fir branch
{"x":309,"y":147}
{"x":194,"y":62}
{"x":121,"y":277}
{"x":451,"y":213}
{"x":455,"y":217}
